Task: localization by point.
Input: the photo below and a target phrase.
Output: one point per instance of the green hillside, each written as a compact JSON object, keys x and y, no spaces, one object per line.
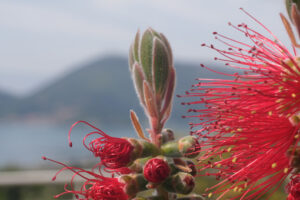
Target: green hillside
{"x":100,"y":91}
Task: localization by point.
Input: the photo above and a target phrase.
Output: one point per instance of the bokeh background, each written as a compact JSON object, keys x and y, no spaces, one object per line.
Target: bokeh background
{"x":66,"y":60}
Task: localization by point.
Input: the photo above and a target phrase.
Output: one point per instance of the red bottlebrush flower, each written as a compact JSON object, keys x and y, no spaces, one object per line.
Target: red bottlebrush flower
{"x":156,"y":170}
{"x":250,"y":123}
{"x":293,"y":188}
{"x":115,"y":153}
{"x":96,"y":187}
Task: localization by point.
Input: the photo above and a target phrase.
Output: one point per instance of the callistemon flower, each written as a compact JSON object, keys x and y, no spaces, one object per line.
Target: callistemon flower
{"x":115,"y":153}
{"x":95,"y":187}
{"x":249,"y":121}
{"x":293,"y":188}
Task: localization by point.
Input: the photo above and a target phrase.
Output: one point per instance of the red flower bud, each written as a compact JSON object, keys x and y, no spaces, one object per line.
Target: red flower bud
{"x":293,"y":188}
{"x":156,"y":170}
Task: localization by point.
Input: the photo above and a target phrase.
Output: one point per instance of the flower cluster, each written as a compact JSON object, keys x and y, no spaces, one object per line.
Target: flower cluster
{"x":250,"y":121}
{"x":140,"y":164}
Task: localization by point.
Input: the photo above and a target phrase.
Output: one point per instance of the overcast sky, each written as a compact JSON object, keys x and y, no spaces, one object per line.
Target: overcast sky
{"x":40,"y":40}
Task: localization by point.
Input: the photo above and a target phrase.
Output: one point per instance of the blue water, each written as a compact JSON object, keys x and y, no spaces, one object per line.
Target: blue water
{"x":23,"y":145}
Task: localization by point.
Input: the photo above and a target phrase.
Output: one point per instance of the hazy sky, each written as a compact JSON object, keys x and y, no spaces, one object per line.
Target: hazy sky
{"x":43,"y":39}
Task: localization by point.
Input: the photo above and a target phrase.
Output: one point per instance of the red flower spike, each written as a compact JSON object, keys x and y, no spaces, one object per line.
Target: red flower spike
{"x":115,"y":153}
{"x":293,"y":188}
{"x":249,"y":123}
{"x":96,"y":187}
{"x":156,"y":170}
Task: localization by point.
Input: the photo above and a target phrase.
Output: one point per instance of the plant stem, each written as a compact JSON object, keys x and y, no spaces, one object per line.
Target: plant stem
{"x":162,"y":193}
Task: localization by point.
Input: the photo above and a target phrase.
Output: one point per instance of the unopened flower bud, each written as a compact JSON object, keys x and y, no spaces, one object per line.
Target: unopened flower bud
{"x":153,"y":73}
{"x":167,"y":135}
{"x":182,"y":183}
{"x":157,"y":170}
{"x":143,"y":148}
{"x":187,"y":146}
{"x":192,"y":166}
{"x":134,"y":183}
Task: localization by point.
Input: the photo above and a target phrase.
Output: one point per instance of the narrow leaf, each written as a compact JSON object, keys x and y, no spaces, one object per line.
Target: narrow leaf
{"x":137,"y":126}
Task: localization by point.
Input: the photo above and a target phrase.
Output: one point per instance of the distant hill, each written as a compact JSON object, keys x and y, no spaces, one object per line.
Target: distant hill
{"x":6,"y":103}
{"x":100,"y":91}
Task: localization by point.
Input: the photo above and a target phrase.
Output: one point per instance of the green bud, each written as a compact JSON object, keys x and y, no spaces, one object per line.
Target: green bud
{"x":134,"y":183}
{"x":151,"y":60}
{"x":170,"y":149}
{"x":138,"y":165}
{"x":167,"y":135}
{"x":187,"y":146}
{"x":182,"y":183}
{"x":142,"y":148}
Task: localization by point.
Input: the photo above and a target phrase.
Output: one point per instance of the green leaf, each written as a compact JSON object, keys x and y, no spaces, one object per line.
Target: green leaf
{"x":136,"y":46}
{"x":146,"y":54}
{"x":138,"y":77}
{"x":161,"y":66}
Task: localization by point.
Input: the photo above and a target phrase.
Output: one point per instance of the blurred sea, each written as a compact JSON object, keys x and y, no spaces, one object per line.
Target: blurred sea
{"x":22,"y":145}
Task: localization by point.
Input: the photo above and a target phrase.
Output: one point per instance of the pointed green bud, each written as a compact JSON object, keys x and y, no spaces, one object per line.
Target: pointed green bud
{"x":187,"y":146}
{"x":151,"y":60}
{"x":182,"y":183}
{"x":134,"y":183}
